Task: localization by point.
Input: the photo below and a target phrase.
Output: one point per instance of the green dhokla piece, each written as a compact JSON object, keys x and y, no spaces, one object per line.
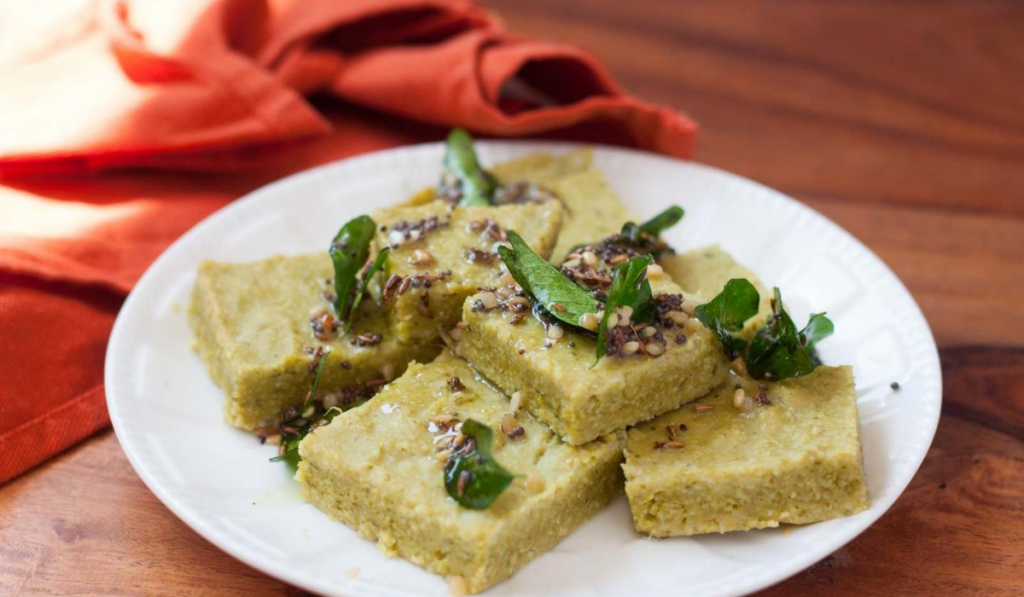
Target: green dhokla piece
{"x":254,"y":334}
{"x":710,"y":467}
{"x":592,"y":210}
{"x":553,"y":367}
{"x":705,"y":272}
{"x":441,"y":253}
{"x":380,"y":470}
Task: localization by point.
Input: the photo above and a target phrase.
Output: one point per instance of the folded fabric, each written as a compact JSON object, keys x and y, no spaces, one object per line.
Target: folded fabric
{"x":210,"y":85}
{"x":98,"y":97}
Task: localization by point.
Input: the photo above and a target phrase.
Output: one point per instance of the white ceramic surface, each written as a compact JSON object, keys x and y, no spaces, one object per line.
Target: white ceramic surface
{"x":167,"y":412}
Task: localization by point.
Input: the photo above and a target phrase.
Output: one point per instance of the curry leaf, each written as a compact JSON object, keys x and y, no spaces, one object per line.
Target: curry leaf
{"x":630,"y":288}
{"x":316,"y":381}
{"x":817,"y":329}
{"x":560,"y":296}
{"x":377,"y":265}
{"x":290,"y":439}
{"x":476,"y":185}
{"x":349,"y":251}
{"x":655,"y":226}
{"x":779,"y":351}
{"x":471,"y":475}
{"x":726,"y":313}
{"x":290,"y":453}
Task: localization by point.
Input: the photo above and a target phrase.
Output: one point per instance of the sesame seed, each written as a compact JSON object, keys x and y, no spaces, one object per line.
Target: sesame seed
{"x":517,"y":399}
{"x":589,"y":321}
{"x":457,"y":586}
{"x":489,"y":300}
{"x":739,"y":397}
{"x":421,"y":257}
{"x":693,"y":325}
{"x":518,"y":301}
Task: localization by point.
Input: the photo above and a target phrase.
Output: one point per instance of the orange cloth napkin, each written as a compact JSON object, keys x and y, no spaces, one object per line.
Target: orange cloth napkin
{"x":100,"y":100}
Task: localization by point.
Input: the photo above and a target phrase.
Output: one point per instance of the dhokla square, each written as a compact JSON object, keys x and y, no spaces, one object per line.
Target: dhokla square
{"x":258,"y":326}
{"x":749,"y":456}
{"x":561,"y":381}
{"x":383,"y":469}
{"x":439,"y":254}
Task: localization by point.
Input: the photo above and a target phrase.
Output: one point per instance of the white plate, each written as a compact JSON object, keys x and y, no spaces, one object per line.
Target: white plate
{"x":167,"y":412}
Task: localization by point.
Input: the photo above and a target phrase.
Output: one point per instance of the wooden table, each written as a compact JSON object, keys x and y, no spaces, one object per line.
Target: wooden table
{"x":901,"y":121}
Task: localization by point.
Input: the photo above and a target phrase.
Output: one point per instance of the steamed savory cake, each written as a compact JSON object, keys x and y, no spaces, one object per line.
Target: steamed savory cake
{"x":564,"y":385}
{"x":711,"y":468}
{"x":377,"y":469}
{"x":440,"y":253}
{"x":592,"y":210}
{"x":255,"y":335}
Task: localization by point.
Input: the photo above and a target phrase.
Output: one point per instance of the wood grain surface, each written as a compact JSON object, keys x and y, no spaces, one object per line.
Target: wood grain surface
{"x":903,"y":121}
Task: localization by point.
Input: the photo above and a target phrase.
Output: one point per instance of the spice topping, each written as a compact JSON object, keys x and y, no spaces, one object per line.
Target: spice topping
{"x":522,"y":192}
{"x":324,"y":324}
{"x":511,"y":427}
{"x":479,"y":256}
{"x":406,"y":232}
{"x":366,"y":339}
